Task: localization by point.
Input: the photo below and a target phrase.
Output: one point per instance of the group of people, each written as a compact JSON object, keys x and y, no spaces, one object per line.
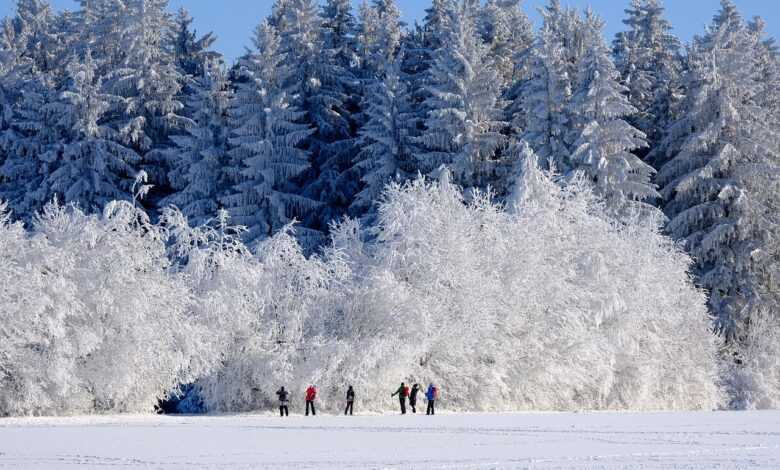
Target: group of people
{"x":403,"y":392}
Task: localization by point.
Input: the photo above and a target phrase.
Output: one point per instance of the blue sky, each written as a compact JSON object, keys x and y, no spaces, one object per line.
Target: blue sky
{"x":234,"y":20}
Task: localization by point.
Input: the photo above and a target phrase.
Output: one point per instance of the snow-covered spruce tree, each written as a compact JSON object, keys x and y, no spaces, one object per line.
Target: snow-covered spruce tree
{"x":541,"y":105}
{"x":648,"y":58}
{"x":267,"y":134}
{"x":719,"y":193}
{"x":31,"y":51}
{"x":379,"y":38}
{"x":385,"y":140}
{"x":200,"y":159}
{"x":605,"y":141}
{"x":319,"y":86}
{"x":463,"y":112}
{"x":508,"y":33}
{"x":147,"y":77}
{"x":191,"y":53}
{"x":93,"y":167}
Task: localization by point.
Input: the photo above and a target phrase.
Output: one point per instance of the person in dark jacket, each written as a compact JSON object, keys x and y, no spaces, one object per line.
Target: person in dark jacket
{"x":350,"y":400}
{"x":402,"y":392}
{"x":284,"y":400}
{"x":413,"y":397}
{"x":431,"y":395}
{"x":311,"y":395}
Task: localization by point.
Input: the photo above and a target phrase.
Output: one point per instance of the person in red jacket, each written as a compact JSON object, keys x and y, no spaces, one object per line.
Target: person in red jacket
{"x":311,"y":395}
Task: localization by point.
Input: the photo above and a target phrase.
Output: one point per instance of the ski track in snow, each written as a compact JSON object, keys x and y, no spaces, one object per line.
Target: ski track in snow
{"x":609,"y":441}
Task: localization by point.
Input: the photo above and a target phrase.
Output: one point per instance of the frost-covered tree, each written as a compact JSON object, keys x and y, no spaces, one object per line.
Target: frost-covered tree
{"x":319,"y":86}
{"x":267,"y":134}
{"x":385,"y":140}
{"x":93,"y":321}
{"x":541,"y":105}
{"x":719,"y":195}
{"x":463,"y":112}
{"x":93,"y":167}
{"x":379,"y":37}
{"x":605,"y":140}
{"x":191,"y":53}
{"x":200,"y":158}
{"x":648,"y":58}
{"x":508,"y":33}
{"x":147,"y":77}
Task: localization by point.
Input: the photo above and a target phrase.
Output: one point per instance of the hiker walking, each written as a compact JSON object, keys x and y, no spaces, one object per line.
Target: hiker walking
{"x":402,"y":392}
{"x":413,"y":397}
{"x":431,"y":395}
{"x":350,"y":400}
{"x":311,"y":395}
{"x":284,"y":400}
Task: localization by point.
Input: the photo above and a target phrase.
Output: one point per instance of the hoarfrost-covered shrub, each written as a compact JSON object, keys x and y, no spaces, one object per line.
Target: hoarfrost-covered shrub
{"x":92,"y":320}
{"x":550,"y":305}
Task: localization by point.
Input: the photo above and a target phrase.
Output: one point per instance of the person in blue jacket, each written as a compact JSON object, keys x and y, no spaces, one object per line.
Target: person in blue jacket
{"x":431,"y":395}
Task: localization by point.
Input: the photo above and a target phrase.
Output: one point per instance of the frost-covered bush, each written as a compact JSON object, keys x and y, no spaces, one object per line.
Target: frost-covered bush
{"x":543,"y":304}
{"x":754,"y":378}
{"x":92,"y":320}
{"x":549,"y":305}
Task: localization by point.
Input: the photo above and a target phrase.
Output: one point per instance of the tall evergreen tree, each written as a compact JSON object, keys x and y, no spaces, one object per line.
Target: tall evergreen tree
{"x":464,"y":112}
{"x":385,"y":140}
{"x":722,"y":159}
{"x":200,"y":158}
{"x":604,"y":140}
{"x":508,"y":33}
{"x":320,"y":87}
{"x":150,"y":82}
{"x":94,"y":167}
{"x":541,"y":106}
{"x":267,"y":134}
{"x":648,"y":58}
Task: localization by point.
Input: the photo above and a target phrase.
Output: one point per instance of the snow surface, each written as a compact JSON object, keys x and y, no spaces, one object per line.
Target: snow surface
{"x":719,"y":440}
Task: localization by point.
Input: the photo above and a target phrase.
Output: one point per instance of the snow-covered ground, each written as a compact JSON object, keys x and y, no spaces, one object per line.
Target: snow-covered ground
{"x":470,"y":441}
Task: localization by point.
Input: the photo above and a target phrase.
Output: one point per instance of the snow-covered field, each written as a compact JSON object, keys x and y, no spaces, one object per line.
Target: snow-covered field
{"x":478,"y":441}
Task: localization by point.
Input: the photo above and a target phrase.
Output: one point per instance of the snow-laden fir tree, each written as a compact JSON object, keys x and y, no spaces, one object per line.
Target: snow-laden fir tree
{"x":200,"y":158}
{"x":541,"y":105}
{"x":191,"y":54}
{"x":508,"y":33}
{"x":604,"y":141}
{"x":385,"y":140}
{"x":320,"y":87}
{"x":718,"y":182}
{"x":148,"y":79}
{"x":464,"y":113}
{"x":267,"y":134}
{"x":379,"y":37}
{"x":31,"y":143}
{"x":648,"y":58}
{"x":93,"y":166}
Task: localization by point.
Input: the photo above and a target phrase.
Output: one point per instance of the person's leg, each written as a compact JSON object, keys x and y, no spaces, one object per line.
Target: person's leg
{"x":286,"y":410}
{"x":414,"y":410}
{"x":403,"y":406}
{"x":281,"y":410}
{"x":307,"y":408}
{"x":313,"y":411}
{"x":428,"y":410}
{"x":351,"y":407}
{"x":346,"y":408}
{"x":433,"y":407}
